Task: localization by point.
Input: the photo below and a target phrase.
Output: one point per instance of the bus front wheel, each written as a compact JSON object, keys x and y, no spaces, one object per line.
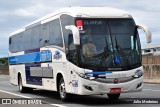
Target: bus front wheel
{"x":113,"y":96}
{"x":62,"y":90}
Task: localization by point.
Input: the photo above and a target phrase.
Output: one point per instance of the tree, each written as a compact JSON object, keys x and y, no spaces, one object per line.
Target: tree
{"x":4,"y":60}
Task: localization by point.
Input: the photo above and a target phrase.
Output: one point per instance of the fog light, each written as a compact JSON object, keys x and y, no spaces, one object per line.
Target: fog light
{"x":88,"y":87}
{"x":139,"y":85}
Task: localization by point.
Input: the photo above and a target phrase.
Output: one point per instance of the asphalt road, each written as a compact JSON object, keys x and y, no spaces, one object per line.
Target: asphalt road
{"x":50,"y":99}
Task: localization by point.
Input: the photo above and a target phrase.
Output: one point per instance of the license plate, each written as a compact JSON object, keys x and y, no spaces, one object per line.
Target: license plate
{"x":115,"y":90}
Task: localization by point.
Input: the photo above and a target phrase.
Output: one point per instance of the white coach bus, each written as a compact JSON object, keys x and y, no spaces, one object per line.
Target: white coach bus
{"x":79,"y":50}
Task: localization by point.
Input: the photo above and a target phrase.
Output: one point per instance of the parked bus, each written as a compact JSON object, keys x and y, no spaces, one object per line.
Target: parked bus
{"x":79,"y":50}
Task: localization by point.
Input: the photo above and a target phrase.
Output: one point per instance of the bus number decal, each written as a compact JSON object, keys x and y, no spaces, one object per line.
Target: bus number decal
{"x":46,"y":55}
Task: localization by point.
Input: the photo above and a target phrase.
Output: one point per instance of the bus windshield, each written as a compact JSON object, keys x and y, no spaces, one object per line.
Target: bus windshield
{"x":109,"y":44}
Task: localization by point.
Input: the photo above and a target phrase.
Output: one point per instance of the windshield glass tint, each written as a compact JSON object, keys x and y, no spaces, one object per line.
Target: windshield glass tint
{"x":108,"y":43}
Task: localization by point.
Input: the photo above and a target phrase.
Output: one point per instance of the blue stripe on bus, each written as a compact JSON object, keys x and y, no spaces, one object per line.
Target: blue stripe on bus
{"x":99,"y":73}
{"x":42,"y":56}
{"x":26,"y":58}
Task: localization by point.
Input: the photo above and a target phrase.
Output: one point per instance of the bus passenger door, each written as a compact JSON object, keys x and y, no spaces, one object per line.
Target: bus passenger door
{"x":72,"y":57}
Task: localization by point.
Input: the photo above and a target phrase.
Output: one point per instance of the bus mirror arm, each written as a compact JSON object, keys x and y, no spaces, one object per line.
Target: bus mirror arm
{"x":75,"y":32}
{"x":147,"y":31}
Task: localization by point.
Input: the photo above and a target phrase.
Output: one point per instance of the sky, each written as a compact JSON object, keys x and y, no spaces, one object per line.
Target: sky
{"x":15,"y":14}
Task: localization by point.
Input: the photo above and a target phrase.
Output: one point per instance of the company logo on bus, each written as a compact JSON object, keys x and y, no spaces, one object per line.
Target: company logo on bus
{"x":57,"y":55}
{"x":115,"y":80}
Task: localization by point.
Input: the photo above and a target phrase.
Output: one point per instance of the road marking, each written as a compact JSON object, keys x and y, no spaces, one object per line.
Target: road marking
{"x":151,"y":84}
{"x":151,"y":90}
{"x":57,"y":105}
{"x":4,"y":82}
{"x":14,"y":94}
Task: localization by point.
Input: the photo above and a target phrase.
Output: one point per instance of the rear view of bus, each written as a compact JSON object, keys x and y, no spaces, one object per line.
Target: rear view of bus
{"x":99,"y":52}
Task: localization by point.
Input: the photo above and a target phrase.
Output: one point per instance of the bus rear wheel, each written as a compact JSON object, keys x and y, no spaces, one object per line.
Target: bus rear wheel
{"x":113,"y":96}
{"x":62,"y":90}
{"x":23,"y":89}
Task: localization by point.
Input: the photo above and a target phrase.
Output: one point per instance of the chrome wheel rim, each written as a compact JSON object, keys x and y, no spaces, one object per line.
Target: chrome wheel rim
{"x":62,"y":90}
{"x":20,"y":84}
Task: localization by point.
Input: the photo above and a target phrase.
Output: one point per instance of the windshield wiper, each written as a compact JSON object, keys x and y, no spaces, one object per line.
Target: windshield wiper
{"x":122,"y":52}
{"x":104,"y":55}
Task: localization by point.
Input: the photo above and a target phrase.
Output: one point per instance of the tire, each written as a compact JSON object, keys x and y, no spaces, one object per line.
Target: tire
{"x":62,"y":90}
{"x":23,"y":89}
{"x":113,"y":96}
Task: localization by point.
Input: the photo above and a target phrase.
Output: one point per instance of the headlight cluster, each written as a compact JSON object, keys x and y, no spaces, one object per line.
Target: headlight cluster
{"x":85,"y":76}
{"x":138,"y":74}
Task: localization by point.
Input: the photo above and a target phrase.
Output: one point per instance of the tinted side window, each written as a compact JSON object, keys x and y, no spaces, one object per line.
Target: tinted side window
{"x":55,"y":35}
{"x":14,"y":43}
{"x":35,"y":37}
{"x":66,"y":20}
{"x":19,"y":43}
{"x":44,"y":35}
{"x":27,"y":39}
{"x":11,"y":44}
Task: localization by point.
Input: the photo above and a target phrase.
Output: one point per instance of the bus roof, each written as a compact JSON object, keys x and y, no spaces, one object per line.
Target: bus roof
{"x":90,"y":12}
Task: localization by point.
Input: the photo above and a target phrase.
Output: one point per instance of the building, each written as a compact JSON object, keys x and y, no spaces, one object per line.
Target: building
{"x":151,"y":49}
{"x":151,"y":54}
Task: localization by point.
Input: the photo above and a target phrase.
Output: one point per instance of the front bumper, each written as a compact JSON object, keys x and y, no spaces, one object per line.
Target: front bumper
{"x":88,"y":87}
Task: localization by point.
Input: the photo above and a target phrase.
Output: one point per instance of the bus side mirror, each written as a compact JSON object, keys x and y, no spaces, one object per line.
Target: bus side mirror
{"x":75,"y":32}
{"x":147,"y":31}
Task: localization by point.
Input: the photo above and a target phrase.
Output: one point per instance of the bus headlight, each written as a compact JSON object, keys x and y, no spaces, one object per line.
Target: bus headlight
{"x":138,"y":74}
{"x":89,"y":77}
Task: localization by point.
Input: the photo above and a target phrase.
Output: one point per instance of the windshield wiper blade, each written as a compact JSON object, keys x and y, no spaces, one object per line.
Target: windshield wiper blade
{"x":122,"y":51}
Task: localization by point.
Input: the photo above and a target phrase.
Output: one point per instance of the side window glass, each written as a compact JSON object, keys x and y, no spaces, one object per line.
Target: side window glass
{"x":20,"y":41}
{"x":35,"y":37}
{"x":11,"y":44}
{"x":27,"y":39}
{"x":66,"y":20}
{"x":17,"y":47}
{"x":14,"y":43}
{"x":55,"y":35}
{"x":10,"y":41}
{"x":44,"y":35}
